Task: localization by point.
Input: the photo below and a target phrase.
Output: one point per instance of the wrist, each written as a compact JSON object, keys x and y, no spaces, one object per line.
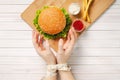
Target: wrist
{"x":59,"y":67}
{"x":51,"y":73}
{"x":61,"y":62}
{"x":63,"y":67}
{"x":52,"y":63}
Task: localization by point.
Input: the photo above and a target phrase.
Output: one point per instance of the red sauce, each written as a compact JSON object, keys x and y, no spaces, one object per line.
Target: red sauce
{"x":78,"y":25}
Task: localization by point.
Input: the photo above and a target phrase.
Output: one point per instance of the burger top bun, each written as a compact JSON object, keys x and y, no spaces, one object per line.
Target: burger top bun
{"x":52,"y":20}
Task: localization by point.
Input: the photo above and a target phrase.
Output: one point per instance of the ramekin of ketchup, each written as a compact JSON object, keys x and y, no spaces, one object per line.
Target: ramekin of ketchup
{"x":78,"y":25}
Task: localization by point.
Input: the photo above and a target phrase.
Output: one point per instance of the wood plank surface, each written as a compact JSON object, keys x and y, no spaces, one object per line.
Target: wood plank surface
{"x":96,"y":58}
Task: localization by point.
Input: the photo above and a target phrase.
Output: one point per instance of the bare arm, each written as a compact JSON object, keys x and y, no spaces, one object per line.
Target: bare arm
{"x":51,"y":78}
{"x":64,"y":52}
{"x":45,"y":53}
{"x":66,"y":75}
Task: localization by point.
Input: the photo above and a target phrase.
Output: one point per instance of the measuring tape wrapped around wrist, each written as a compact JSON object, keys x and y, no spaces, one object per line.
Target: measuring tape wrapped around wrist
{"x":61,"y":67}
{"x":52,"y":69}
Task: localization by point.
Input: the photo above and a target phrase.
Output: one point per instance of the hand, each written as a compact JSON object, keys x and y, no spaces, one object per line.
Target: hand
{"x":65,"y":49}
{"x":44,"y":52}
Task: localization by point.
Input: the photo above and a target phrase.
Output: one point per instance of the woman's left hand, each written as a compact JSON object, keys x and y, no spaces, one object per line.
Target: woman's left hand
{"x":44,"y":52}
{"x":65,"y":49}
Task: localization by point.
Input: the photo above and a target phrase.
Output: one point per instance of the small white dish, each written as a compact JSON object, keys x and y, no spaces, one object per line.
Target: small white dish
{"x":74,"y":8}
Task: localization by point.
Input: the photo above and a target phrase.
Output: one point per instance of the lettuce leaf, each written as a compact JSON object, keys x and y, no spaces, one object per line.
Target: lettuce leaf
{"x":62,"y":34}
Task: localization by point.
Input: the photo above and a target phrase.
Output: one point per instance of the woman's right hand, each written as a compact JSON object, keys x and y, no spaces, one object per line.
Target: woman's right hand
{"x":44,"y":52}
{"x":65,"y":49}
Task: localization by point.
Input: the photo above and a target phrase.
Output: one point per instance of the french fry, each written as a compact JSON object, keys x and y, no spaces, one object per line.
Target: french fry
{"x":83,"y":8}
{"x":86,"y":5}
{"x":88,"y":17}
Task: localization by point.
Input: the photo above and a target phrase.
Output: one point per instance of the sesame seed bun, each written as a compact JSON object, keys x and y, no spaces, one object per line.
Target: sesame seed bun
{"x":52,"y":20}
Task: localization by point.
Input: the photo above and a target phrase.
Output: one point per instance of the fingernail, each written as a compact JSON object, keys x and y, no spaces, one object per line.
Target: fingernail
{"x":72,"y":29}
{"x":60,"y":44}
{"x":69,"y":30}
{"x":61,"y":40}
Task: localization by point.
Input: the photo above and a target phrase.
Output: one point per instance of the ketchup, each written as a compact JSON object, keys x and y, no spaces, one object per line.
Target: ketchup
{"x":78,"y":25}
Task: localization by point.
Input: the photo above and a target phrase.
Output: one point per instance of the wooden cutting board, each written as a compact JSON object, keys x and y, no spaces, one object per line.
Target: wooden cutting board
{"x":98,"y":7}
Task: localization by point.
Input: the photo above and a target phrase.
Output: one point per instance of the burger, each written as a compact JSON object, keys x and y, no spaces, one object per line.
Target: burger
{"x":52,"y":22}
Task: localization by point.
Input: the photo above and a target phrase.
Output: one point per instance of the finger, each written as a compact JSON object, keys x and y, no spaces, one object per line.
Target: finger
{"x":74,"y":32}
{"x":71,"y":43}
{"x":69,"y":50}
{"x":72,"y":37}
{"x":33,"y":33}
{"x":35,"y":39}
{"x":60,"y":46}
{"x":67,"y":42}
{"x":41,"y":43}
{"x":47,"y":46}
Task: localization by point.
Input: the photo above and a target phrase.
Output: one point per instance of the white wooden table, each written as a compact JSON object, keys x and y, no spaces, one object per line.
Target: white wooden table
{"x":96,"y":55}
